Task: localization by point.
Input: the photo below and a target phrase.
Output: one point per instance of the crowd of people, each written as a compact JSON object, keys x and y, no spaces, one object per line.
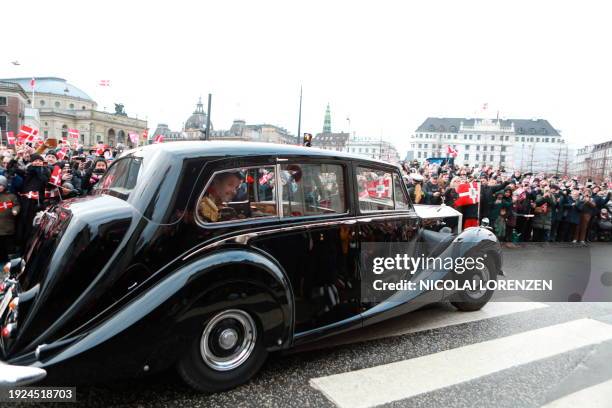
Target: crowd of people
{"x":31,"y":181}
{"x":520,"y":206}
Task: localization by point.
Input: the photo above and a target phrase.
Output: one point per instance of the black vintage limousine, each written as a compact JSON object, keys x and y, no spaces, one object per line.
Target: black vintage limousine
{"x":207,"y":256}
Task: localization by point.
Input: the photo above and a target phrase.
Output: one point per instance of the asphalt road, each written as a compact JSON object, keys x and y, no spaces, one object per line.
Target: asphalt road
{"x":511,"y":354}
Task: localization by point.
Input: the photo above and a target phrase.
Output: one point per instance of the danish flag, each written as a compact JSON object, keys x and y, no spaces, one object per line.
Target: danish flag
{"x":32,"y":83}
{"x":10,"y":138}
{"x":145,"y":134}
{"x":56,"y":176}
{"x":159,"y":139}
{"x":104,"y":82}
{"x":380,"y":188}
{"x":6,"y":205}
{"x":52,"y":193}
{"x":133,"y":137}
{"x":61,"y":154}
{"x":100,"y":149}
{"x":469,"y":193}
{"x":28,"y":133}
{"x":33,"y":195}
{"x":73,"y":133}
{"x":450,"y":151}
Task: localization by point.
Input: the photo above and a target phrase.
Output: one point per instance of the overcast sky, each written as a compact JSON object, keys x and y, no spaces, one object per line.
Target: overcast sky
{"x":385,"y":65}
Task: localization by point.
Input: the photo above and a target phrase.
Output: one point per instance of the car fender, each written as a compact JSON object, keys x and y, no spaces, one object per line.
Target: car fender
{"x":149,"y":330}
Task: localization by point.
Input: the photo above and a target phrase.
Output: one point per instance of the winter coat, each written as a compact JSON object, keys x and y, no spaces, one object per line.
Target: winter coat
{"x":7,"y":219}
{"x":572,"y":210}
{"x":543,"y":212}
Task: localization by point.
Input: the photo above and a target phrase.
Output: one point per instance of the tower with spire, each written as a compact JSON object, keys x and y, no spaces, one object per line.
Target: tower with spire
{"x":327,"y":121}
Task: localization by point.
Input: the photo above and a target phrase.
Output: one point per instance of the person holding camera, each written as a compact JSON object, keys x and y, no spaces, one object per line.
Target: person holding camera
{"x":32,"y":195}
{"x":588,"y":208}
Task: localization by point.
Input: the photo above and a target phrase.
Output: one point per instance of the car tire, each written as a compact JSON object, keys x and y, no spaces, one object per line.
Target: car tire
{"x":226,"y":353}
{"x":467,"y":301}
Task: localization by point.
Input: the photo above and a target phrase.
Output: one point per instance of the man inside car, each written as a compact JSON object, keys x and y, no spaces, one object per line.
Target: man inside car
{"x":224,"y":187}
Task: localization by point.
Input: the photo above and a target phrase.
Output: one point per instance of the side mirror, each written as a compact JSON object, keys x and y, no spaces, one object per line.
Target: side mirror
{"x":485,"y":222}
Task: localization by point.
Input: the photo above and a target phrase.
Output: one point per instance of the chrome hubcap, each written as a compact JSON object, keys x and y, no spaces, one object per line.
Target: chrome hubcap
{"x":480,"y":278}
{"x":228,"y":340}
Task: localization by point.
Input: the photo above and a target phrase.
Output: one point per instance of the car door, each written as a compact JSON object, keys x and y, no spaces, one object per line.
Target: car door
{"x":317,"y":245}
{"x":388,"y":228}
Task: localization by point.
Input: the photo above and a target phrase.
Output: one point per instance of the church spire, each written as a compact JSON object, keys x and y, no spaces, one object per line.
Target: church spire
{"x":199,"y":106}
{"x":327,"y":121}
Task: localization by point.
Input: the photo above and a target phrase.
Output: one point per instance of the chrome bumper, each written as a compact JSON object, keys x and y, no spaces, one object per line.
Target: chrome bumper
{"x":14,"y":376}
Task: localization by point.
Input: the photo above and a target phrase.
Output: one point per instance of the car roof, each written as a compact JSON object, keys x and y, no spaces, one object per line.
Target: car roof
{"x":217,"y":148}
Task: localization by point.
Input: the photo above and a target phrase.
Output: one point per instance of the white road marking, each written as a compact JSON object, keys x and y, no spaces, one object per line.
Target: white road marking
{"x":436,"y":318}
{"x":597,"y":396}
{"x":404,"y":379}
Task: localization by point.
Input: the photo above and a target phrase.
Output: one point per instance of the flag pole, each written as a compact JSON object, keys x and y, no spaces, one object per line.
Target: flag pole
{"x":300,"y":119}
{"x":33,"y":83}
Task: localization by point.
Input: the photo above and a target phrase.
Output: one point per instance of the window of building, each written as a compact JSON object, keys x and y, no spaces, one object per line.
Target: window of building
{"x":537,"y":139}
{"x":464,"y":137}
{"x":72,"y":106}
{"x":478,"y":147}
{"x":375,"y":189}
{"x":507,"y":138}
{"x":532,"y":131}
{"x":516,"y":139}
{"x":3,"y":121}
{"x":491,"y":158}
{"x":502,"y":158}
{"x":546,"y":140}
{"x":466,"y":157}
{"x":503,"y":148}
{"x":492,"y":148}
{"x":57,"y":104}
{"x":83,"y":107}
{"x":484,"y":148}
{"x":64,"y":132}
{"x":3,"y":100}
{"x":492,"y":137}
{"x":454,"y":136}
{"x":419,"y":155}
{"x":477,"y":137}
{"x":238,"y":194}
{"x":41,"y":102}
{"x":425,"y":145}
{"x":420,"y":145}
{"x":467,"y":147}
{"x":477,"y":157}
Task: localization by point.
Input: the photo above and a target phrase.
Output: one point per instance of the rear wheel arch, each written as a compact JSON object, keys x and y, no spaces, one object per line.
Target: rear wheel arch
{"x":243,"y":279}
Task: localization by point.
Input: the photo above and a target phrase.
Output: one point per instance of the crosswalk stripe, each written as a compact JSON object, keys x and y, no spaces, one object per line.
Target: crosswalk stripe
{"x":436,"y":318}
{"x":404,"y":379}
{"x":597,"y":396}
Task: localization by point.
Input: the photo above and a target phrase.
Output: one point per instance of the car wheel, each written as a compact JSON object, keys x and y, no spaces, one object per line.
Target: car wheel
{"x":226,"y":353}
{"x":469,"y":301}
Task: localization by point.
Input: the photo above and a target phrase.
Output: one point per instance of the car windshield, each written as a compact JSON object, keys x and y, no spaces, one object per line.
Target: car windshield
{"x":121,"y":177}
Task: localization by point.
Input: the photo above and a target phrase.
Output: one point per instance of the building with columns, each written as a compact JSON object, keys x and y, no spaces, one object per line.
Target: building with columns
{"x":523,"y":144}
{"x":62,"y":106}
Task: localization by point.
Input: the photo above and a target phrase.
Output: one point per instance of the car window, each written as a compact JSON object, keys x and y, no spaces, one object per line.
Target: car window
{"x":121,"y":177}
{"x":239,"y":194}
{"x":401,"y":200}
{"x":375,"y":189}
{"x":312,"y":189}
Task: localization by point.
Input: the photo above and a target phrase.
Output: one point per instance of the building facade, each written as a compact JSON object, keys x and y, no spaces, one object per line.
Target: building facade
{"x":523,"y":144}
{"x":370,"y":147}
{"x":594,"y":162}
{"x":62,"y":106}
{"x":195,"y":129}
{"x":13,"y":104}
